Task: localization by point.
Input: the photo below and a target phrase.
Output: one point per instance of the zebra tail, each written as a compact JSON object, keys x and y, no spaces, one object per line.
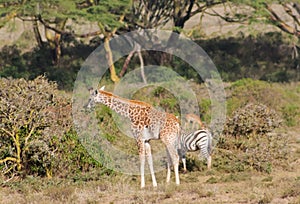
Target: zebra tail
{"x":209,"y":146}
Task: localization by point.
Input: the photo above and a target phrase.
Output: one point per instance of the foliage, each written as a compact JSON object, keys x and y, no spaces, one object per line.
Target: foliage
{"x":289,"y":114}
{"x":234,"y":57}
{"x":253,"y":119}
{"x":205,"y":111}
{"x":247,"y":90}
{"x":230,"y":56}
{"x":53,"y":15}
{"x":261,"y":57}
{"x":259,"y":153}
{"x":282,"y":98}
{"x":30,"y":65}
{"x":265,"y":10}
{"x":71,"y":157}
{"x":106,"y":123}
{"x":22,"y":124}
{"x":36,"y":130}
{"x":241,"y":155}
{"x":105,"y":11}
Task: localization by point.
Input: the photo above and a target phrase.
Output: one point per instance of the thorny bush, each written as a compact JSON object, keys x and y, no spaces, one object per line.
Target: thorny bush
{"x":32,"y":113}
{"x":253,"y":119}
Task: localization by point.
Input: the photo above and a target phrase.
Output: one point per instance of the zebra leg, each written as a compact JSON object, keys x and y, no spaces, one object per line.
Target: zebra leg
{"x":184,"y":164}
{"x":150,"y":162}
{"x":209,"y":162}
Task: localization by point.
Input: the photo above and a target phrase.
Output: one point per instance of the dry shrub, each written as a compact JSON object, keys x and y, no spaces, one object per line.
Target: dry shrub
{"x":31,"y":114}
{"x":260,"y":153}
{"x":253,"y":119}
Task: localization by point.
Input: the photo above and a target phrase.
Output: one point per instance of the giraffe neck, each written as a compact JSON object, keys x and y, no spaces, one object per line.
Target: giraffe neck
{"x":115,"y":103}
{"x":118,"y":104}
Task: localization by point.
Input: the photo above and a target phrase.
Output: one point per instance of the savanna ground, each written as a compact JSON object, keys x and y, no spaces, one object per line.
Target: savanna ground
{"x":279,"y":186}
{"x":262,"y":169}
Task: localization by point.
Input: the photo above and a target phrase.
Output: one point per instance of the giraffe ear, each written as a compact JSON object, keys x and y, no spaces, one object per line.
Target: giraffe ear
{"x":91,"y":90}
{"x":102,"y":88}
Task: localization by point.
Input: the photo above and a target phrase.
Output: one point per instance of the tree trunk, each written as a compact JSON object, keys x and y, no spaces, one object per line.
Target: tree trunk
{"x":110,"y":61}
{"x":60,"y":24}
{"x":125,"y":65}
{"x":142,"y":66}
{"x":37,"y":33}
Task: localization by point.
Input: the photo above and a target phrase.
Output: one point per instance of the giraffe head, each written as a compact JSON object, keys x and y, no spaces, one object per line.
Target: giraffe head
{"x":94,"y":97}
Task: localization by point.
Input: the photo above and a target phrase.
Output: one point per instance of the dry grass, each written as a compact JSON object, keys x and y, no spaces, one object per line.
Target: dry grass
{"x":280,"y":186}
{"x":256,"y":189}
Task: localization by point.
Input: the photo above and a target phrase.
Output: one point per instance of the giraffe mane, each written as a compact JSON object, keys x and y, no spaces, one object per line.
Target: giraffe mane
{"x":141,"y":103}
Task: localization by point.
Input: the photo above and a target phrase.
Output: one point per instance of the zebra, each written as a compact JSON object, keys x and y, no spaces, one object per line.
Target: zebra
{"x":191,"y":142}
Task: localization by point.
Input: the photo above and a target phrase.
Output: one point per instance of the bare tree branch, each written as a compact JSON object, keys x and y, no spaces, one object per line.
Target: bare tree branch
{"x":8,"y":159}
{"x":280,"y":23}
{"x":57,"y":30}
{"x":290,"y":12}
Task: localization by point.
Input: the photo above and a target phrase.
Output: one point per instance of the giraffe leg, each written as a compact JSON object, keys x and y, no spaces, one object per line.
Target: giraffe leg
{"x":141,"y":146}
{"x":168,"y":166}
{"x":173,"y":156}
{"x":150,"y":162}
{"x":176,"y":166}
{"x":175,"y":160}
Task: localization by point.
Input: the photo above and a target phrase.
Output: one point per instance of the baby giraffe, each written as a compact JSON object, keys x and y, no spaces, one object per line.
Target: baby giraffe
{"x":147,"y":123}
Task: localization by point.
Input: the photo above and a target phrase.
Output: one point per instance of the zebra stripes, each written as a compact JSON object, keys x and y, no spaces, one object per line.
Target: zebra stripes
{"x":194,"y":141}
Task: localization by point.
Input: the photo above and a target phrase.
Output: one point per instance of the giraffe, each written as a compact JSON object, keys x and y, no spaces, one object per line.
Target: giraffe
{"x":147,"y":123}
{"x":194,"y":120}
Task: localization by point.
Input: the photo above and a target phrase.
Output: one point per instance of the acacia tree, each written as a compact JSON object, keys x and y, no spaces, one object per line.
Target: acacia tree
{"x":54,"y":14}
{"x":284,"y":14}
{"x":115,"y":15}
{"x":109,"y":15}
{"x":153,"y":14}
{"x":38,"y":12}
{"x":289,"y":25}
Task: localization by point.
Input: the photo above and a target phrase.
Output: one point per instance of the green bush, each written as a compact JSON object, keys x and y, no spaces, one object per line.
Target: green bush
{"x":247,"y":90}
{"x":205,"y":112}
{"x":71,"y":156}
{"x":289,"y":114}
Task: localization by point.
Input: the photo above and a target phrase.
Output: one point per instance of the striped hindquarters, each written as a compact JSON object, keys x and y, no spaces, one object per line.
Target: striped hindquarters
{"x":198,"y":140}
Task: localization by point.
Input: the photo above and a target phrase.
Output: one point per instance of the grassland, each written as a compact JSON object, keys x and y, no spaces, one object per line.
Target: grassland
{"x":280,"y":186}
{"x":232,"y":179}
